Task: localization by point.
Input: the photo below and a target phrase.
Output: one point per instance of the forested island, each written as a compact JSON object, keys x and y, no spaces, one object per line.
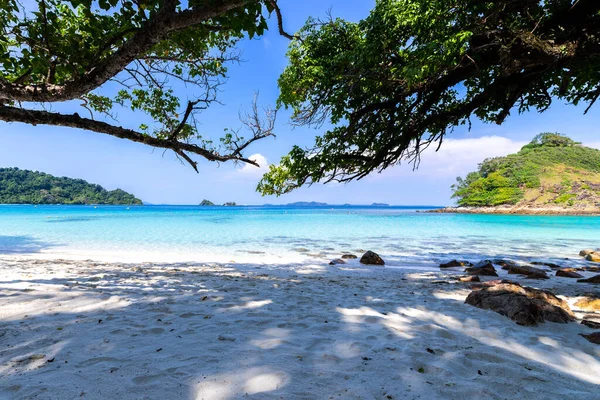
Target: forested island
{"x":206,"y":203}
{"x":29,"y":187}
{"x":551,"y":174}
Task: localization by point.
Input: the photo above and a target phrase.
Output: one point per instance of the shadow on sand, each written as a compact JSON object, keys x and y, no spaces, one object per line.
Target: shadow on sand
{"x":187,"y":331}
{"x":23,"y":244}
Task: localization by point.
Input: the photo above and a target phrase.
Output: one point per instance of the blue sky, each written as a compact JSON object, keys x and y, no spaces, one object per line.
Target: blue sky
{"x":160,"y":178}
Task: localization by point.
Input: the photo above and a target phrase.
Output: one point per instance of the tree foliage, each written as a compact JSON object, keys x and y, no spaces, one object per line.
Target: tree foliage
{"x":28,"y":187}
{"x":503,"y":180}
{"x":162,"y":59}
{"x":412,"y":71}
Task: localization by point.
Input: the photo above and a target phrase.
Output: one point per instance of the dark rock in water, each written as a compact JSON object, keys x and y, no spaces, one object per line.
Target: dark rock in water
{"x":337,"y":261}
{"x":371,"y":258}
{"x":485,"y":269}
{"x":524,"y":305}
{"x":584,"y":253}
{"x":483,"y":263}
{"x":455,"y":263}
{"x":594,"y":257}
{"x":591,"y":324}
{"x":592,"y":269}
{"x":495,"y":282}
{"x":531,"y":272}
{"x":568,"y":273}
{"x":349,"y":256}
{"x":547,"y":264}
{"x":470,"y":278}
{"x":592,"y":337}
{"x":588,"y":304}
{"x":505,"y":264}
{"x":536,"y":276}
{"x":593,"y":279}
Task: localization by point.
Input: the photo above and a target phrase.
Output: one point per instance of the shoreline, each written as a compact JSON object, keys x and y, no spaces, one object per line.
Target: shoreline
{"x":101,"y":330}
{"x":517,"y":210}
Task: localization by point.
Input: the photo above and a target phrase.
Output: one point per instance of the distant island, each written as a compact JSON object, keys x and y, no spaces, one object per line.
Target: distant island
{"x":551,"y":175}
{"x":210,"y":203}
{"x":28,"y":187}
{"x":307,"y":204}
{"x":317,"y":204}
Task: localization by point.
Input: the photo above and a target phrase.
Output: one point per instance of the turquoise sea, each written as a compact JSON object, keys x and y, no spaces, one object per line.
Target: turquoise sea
{"x":277,"y":234}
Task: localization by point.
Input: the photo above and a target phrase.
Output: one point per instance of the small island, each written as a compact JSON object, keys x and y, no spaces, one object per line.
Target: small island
{"x":551,"y":175}
{"x":208,"y":203}
{"x":30,"y":187}
{"x":307,"y":204}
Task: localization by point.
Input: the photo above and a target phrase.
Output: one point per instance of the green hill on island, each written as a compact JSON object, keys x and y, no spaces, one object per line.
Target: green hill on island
{"x":552,"y":170}
{"x":28,"y":187}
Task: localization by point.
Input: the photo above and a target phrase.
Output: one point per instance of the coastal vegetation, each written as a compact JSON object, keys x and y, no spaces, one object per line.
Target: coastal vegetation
{"x":388,"y":84}
{"x":551,"y":170}
{"x":206,"y":203}
{"x":399,"y":80}
{"x":28,"y":187}
{"x":165,"y":60}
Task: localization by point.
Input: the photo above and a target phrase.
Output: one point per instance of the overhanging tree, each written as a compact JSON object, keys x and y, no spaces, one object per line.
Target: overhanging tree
{"x":163,"y":58}
{"x":398,"y":81}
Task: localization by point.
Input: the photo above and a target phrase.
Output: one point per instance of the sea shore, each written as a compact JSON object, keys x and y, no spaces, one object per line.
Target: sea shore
{"x":97,"y":330}
{"x":520,"y":210}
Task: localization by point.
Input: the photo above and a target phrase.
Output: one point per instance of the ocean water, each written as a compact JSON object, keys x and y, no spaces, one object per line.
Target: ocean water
{"x":271,"y":234}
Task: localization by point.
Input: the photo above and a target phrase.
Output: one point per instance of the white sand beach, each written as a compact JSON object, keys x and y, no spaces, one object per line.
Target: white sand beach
{"x":100,"y":330}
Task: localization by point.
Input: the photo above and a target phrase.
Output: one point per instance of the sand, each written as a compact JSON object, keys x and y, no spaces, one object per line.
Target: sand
{"x":93,"y":330}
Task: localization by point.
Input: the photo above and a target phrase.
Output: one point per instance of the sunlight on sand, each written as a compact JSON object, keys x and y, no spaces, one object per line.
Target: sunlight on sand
{"x":274,"y":338}
{"x":253,"y":381}
{"x":565,"y":359}
{"x":249,"y":305}
{"x":195,"y":331}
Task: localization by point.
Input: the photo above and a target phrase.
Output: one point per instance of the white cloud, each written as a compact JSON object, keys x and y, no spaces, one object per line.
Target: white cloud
{"x":595,"y":145}
{"x":456,"y":157}
{"x":250,"y":169}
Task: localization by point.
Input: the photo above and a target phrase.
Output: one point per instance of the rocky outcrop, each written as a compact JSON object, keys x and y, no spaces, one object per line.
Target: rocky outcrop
{"x":594,"y":257}
{"x":584,"y":253}
{"x":337,"y":261}
{"x":483,"y":268}
{"x":505,"y":264}
{"x":469,"y":278}
{"x":524,"y":305}
{"x":547,"y":264}
{"x":456,"y":263}
{"x":588,"y":304}
{"x":531,"y":272}
{"x":591,"y":324}
{"x":494,"y":282}
{"x":568,"y":273}
{"x":371,"y":258}
{"x":349,"y":256}
{"x":592,"y":337}
{"x":593,"y":279}
{"x":523,"y":210}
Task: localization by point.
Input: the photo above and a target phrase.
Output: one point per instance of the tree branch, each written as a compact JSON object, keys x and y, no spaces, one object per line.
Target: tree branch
{"x":282,"y":31}
{"x":165,"y":22}
{"x":38,"y":117}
